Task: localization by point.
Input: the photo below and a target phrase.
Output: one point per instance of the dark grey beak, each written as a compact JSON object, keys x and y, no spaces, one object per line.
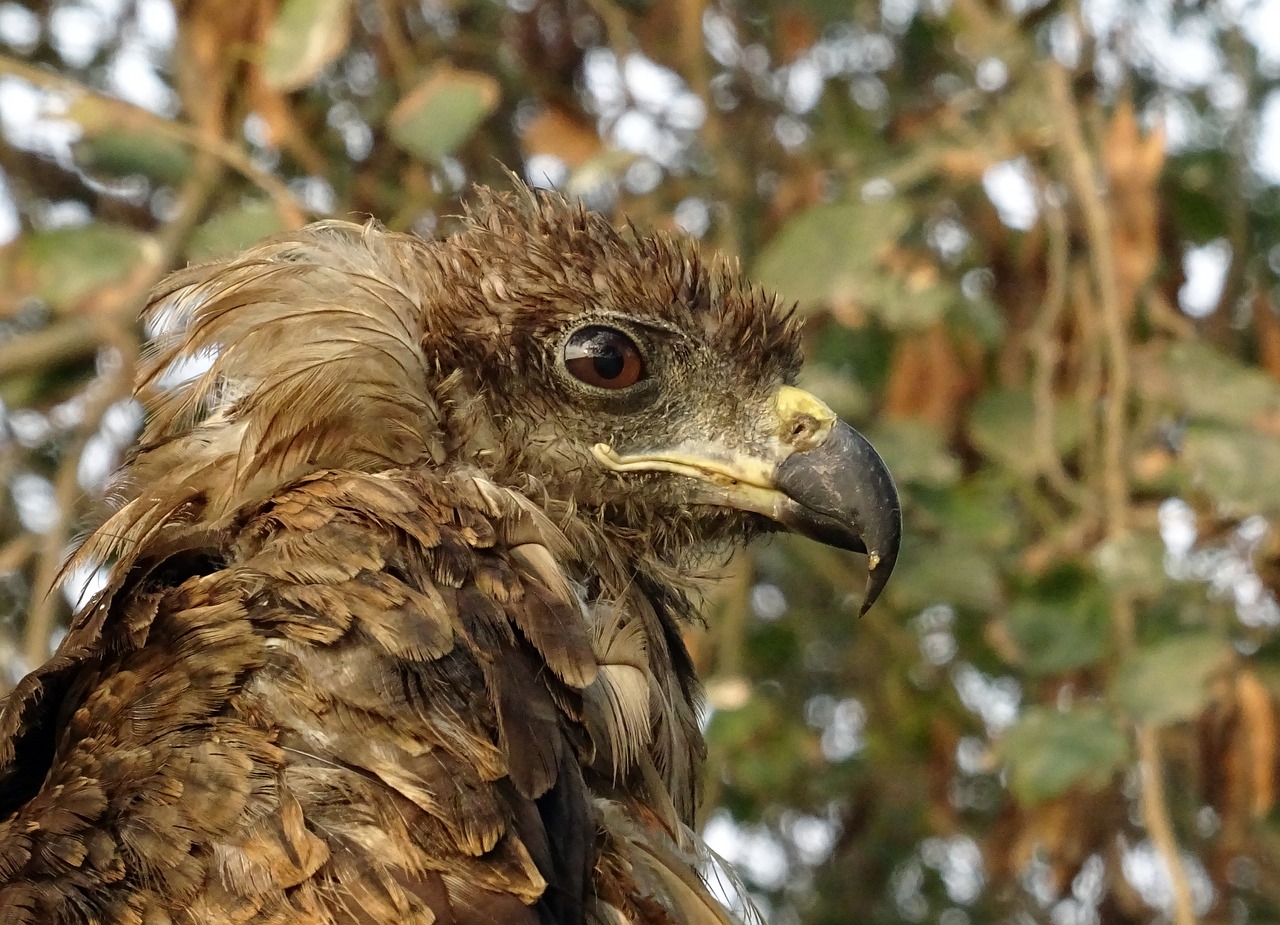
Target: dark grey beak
{"x":841,"y":494}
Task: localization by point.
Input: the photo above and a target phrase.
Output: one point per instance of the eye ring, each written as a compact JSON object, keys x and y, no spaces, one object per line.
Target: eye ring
{"x":603,"y":358}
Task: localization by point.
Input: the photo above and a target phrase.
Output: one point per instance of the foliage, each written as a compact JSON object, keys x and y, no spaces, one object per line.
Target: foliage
{"x":991,"y":216}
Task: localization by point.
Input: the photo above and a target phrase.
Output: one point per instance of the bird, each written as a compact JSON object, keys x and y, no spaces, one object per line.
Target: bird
{"x":395,"y":580}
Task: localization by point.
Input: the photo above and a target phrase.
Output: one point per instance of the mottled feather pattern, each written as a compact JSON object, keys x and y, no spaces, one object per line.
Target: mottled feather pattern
{"x":364,"y":654}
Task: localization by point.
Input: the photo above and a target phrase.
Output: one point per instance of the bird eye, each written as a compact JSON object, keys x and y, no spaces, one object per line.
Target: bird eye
{"x":604,"y":357}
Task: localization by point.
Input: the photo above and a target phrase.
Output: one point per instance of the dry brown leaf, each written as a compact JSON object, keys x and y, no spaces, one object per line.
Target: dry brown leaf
{"x":1152,"y":463}
{"x":796,"y":33}
{"x":916,"y":268}
{"x":1061,"y":834}
{"x":965,"y":163}
{"x":211,"y":42}
{"x":1133,"y":162}
{"x":562,"y":134}
{"x":932,"y":376}
{"x":1258,"y":722}
{"x":1266,"y":326}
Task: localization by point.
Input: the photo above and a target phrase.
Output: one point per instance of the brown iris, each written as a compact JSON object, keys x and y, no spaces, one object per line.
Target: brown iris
{"x":603,"y":357}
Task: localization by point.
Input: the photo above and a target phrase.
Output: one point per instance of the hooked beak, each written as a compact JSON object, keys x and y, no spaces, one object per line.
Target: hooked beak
{"x":817,"y":476}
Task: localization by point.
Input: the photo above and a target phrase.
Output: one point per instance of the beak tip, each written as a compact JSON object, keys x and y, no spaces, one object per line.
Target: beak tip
{"x":878,"y":570}
{"x":882,"y":556}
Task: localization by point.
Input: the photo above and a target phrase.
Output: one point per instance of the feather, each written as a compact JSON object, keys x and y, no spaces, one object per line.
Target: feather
{"x":551,"y":617}
{"x":529,"y":728}
{"x":618,"y":703}
{"x":379,"y":641}
{"x":661,"y":869}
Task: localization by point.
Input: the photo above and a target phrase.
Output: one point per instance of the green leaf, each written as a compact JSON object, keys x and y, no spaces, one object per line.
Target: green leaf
{"x":978,"y":511}
{"x":1169,"y":681}
{"x":951,"y":572}
{"x":1265,"y":663}
{"x":1002,"y":426}
{"x":1193,"y":193}
{"x":980,"y":317}
{"x":1063,"y":624}
{"x":766,"y":751}
{"x":1048,"y":752}
{"x":1229,"y":463}
{"x":1132,"y":564}
{"x":437,"y":117}
{"x":62,"y":266}
{"x":915,"y":452}
{"x":831,"y":254}
{"x":127,"y":153}
{"x":1200,"y":380}
{"x":305,"y":38}
{"x":825,"y":252}
{"x":863,"y":355}
{"x":234,"y":229}
{"x":906,"y":304}
{"x":773,"y":648}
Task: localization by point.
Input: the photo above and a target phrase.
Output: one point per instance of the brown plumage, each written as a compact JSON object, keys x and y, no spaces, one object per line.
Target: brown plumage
{"x":391,"y":631}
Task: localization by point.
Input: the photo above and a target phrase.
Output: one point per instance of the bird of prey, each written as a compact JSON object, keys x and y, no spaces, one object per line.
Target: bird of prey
{"x":392,"y":627}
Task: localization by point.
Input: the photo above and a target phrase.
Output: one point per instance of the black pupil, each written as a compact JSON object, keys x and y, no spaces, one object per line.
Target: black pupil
{"x":607,"y":359}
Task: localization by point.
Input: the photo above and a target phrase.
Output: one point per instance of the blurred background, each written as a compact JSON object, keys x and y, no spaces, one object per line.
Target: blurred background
{"x":1037,"y":243}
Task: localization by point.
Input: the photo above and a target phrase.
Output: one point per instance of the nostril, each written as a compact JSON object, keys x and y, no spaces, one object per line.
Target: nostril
{"x":803,"y":426}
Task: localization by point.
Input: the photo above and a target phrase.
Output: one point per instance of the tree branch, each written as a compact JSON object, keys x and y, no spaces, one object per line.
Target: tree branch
{"x":292,"y":213}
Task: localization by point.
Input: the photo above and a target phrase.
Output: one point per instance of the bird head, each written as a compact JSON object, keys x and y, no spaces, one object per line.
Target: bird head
{"x":617,"y":374}
{"x":649,"y":387}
